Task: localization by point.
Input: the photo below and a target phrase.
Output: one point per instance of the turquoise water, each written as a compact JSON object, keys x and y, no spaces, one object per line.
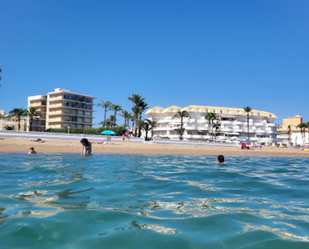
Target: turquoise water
{"x":153,"y":201}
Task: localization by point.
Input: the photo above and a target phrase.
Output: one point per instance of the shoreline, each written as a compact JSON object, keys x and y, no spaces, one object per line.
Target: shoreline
{"x":15,"y":145}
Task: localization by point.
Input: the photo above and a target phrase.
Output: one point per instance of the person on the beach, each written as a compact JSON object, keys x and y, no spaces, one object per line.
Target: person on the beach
{"x":220,"y":159}
{"x":123,"y":137}
{"x":32,"y":151}
{"x":86,"y":147}
{"x":38,"y":140}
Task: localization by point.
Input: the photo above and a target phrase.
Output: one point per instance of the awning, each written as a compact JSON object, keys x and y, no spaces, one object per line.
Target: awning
{"x":233,"y":133}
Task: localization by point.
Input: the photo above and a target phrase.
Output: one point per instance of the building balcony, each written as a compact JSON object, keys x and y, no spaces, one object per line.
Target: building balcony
{"x":69,"y":100}
{"x":69,"y":107}
{"x":68,"y":114}
{"x":68,"y":121}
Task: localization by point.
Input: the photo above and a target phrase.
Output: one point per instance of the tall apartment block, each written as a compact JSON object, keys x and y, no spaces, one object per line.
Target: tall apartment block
{"x":62,"y":109}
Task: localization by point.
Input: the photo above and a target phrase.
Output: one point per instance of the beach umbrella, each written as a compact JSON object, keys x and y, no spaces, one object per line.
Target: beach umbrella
{"x":108,"y":132}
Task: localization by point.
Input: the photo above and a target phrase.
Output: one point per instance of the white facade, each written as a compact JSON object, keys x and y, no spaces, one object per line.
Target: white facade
{"x":233,"y":123}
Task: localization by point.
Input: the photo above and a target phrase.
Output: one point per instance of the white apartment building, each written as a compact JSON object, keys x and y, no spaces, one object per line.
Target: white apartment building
{"x":62,"y":109}
{"x":233,"y":123}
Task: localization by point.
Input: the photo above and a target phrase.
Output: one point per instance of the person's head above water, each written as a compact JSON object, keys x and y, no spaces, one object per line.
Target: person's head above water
{"x":85,"y":142}
{"x":221,"y":159}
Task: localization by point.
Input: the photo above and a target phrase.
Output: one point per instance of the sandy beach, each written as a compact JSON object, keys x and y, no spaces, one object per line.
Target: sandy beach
{"x":69,"y":146}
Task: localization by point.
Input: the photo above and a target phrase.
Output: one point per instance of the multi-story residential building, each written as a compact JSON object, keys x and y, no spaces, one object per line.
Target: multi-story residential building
{"x":291,"y":134}
{"x":11,"y":122}
{"x":232,"y":121}
{"x":62,"y":109}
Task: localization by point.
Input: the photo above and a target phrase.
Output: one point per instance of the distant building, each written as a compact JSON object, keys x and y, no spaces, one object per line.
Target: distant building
{"x":8,"y":122}
{"x":232,"y":123}
{"x":62,"y":109}
{"x":291,"y":134}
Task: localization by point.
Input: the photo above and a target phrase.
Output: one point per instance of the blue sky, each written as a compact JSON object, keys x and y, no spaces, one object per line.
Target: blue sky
{"x":230,"y":53}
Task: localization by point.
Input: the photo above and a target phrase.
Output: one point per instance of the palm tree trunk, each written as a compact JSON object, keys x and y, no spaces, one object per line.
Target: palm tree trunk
{"x":105,"y":117}
{"x":31,"y":121}
{"x":135,"y":126}
{"x":19,"y":123}
{"x":248,"y":125}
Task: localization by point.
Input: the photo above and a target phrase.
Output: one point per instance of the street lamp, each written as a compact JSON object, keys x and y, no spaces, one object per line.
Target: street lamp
{"x":68,"y":129}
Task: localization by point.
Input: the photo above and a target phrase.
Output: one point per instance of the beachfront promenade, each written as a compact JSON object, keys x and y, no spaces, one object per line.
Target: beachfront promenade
{"x":96,"y":138}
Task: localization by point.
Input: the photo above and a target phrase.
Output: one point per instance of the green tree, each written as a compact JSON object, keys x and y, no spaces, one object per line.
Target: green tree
{"x":126,"y":115}
{"x":135,"y":112}
{"x":152,"y":124}
{"x":216,"y":126}
{"x":31,"y":113}
{"x":18,"y":113}
{"x":116,"y":108}
{"x":302,"y":127}
{"x":106,"y":105}
{"x":144,"y":124}
{"x":181,"y":115}
{"x":137,"y":108}
{"x":211,"y":116}
{"x":248,"y":109}
{"x":143,"y":107}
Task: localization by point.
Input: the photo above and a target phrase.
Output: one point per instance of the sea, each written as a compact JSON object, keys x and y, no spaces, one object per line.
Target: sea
{"x":119,"y":201}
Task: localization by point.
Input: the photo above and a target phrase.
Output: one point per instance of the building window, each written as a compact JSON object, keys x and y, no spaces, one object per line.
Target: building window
{"x":229,"y":112}
{"x":80,"y":99}
{"x":67,"y":96}
{"x":221,"y":111}
{"x":259,"y":114}
{"x":43,"y":102}
{"x":73,"y":98}
{"x":88,"y":100}
{"x":199,"y":109}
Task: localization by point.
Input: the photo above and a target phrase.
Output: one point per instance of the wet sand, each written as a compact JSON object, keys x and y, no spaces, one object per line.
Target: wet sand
{"x":69,"y":146}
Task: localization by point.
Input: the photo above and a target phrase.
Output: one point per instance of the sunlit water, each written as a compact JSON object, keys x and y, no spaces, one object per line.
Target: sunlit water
{"x":153,"y":201}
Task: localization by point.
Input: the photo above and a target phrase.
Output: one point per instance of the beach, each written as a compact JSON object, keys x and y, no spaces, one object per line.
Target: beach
{"x":69,"y":146}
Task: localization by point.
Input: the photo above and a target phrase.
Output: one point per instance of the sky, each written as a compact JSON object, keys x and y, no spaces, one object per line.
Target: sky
{"x":229,"y":53}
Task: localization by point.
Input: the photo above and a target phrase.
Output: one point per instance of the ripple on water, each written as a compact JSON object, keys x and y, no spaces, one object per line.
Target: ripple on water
{"x":129,"y":201}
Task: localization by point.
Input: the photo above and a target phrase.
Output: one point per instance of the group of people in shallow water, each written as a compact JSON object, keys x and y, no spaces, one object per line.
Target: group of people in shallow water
{"x":86,"y":150}
{"x":86,"y":147}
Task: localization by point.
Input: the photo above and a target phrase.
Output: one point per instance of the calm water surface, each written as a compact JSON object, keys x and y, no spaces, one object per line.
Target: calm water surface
{"x":153,"y":201}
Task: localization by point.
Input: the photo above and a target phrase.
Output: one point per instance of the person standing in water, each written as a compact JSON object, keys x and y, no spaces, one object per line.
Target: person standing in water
{"x":32,"y":151}
{"x":220,"y":159}
{"x":86,"y":147}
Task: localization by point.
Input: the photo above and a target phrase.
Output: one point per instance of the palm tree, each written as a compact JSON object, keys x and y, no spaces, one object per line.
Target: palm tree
{"x":106,"y":106}
{"x":289,"y":133}
{"x":31,"y":113}
{"x":136,"y":99}
{"x":211,"y":116}
{"x":152,"y":124}
{"x":216,"y":126}
{"x":139,"y":107}
{"x":248,"y":109}
{"x":302,"y":127}
{"x":126,"y":115}
{"x":19,"y":113}
{"x":116,"y":108}
{"x":181,"y":115}
{"x":111,"y":121}
{"x":146,"y":127}
{"x":136,"y":111}
{"x":144,"y":107}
